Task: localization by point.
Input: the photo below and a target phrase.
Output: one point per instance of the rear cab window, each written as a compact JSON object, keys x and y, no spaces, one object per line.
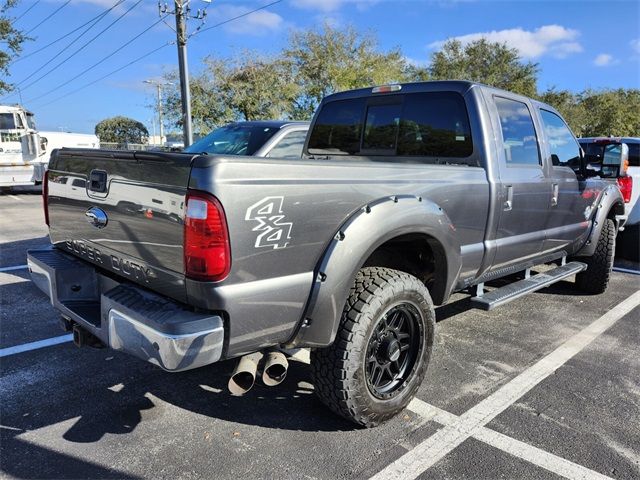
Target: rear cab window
{"x":416,"y":127}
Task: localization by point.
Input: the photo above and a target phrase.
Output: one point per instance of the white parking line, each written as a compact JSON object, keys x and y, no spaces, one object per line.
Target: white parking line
{"x":434,"y":448}
{"x":16,"y":267}
{"x":537,"y":456}
{"x":26,"y":347}
{"x":524,"y":451}
{"x":16,"y":198}
{"x":626,"y":270}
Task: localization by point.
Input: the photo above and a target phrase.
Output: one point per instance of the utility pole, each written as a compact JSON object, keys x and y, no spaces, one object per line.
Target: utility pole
{"x":182,"y":11}
{"x":185,"y":93}
{"x":158,"y":86}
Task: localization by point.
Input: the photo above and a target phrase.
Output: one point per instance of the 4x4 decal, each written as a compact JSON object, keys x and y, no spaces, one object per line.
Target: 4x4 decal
{"x":274,"y":232}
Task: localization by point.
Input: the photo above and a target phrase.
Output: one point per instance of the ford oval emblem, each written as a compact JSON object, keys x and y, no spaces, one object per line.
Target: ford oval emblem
{"x":96,"y":217}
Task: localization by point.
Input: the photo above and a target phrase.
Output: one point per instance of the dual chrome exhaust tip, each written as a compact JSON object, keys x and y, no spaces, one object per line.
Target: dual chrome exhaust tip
{"x":274,"y":371}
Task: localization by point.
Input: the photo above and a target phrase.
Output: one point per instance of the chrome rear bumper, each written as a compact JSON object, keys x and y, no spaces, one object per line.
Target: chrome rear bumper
{"x":126,"y":317}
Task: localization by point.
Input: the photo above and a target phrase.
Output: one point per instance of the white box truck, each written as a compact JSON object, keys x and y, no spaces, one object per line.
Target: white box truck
{"x":25,"y":152}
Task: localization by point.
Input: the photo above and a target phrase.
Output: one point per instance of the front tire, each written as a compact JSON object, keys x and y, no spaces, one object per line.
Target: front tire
{"x":595,"y":278}
{"x":382,"y":348}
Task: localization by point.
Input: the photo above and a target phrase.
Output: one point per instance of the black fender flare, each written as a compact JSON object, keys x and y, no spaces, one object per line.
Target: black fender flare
{"x":358,"y":237}
{"x":610,"y":201}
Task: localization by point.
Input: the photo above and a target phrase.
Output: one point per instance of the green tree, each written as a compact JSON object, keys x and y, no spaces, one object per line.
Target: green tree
{"x":492,"y":63}
{"x":611,"y":112}
{"x":260,"y":88}
{"x":210,"y":106}
{"x":333,"y":59}
{"x":245,"y":87}
{"x":121,"y":130}
{"x":11,"y":40}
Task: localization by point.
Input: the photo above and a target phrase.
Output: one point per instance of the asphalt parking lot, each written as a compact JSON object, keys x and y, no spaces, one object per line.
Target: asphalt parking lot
{"x":547,"y":386}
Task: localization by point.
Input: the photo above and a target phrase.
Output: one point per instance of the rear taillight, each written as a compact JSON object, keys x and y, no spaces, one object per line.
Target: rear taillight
{"x":45,"y":196}
{"x":207,"y":255}
{"x":626,"y":186}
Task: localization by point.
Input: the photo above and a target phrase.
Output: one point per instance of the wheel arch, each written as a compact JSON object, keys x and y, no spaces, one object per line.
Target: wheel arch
{"x":610,"y":206}
{"x":403,"y":225}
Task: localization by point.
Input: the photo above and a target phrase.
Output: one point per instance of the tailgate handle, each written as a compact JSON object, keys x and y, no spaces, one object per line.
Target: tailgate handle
{"x":98,"y":181}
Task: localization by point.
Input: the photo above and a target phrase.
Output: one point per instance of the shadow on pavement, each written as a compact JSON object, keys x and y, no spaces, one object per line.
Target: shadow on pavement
{"x":104,"y":409}
{"x":15,"y":253}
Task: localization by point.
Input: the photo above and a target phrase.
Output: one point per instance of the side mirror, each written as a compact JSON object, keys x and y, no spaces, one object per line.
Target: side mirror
{"x":615,"y":160}
{"x":43,"y":144}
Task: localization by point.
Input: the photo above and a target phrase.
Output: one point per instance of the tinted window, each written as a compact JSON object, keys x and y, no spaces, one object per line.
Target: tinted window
{"x":7,"y":122}
{"x":565,"y":150}
{"x":381,"y":127}
{"x":235,"y":139}
{"x":419,"y":124}
{"x":634,"y":154}
{"x":78,"y":182}
{"x":518,"y":132}
{"x":435,"y":125}
{"x":337,"y":128}
{"x":289,"y":146}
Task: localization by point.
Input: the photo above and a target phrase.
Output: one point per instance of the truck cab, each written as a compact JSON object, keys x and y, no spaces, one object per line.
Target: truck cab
{"x":22,"y":160}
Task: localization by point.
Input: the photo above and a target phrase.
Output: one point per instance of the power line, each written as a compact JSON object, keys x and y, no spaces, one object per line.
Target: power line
{"x":53,"y":42}
{"x":87,"y":70}
{"x":49,"y":16}
{"x":151,"y":52}
{"x":142,"y":57}
{"x":26,"y":11}
{"x":83,"y":46}
{"x":199,"y":31}
{"x":93,"y":23}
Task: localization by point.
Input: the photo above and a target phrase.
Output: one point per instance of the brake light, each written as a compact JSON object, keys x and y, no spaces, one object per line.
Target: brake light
{"x":45,"y":196}
{"x":386,"y":88}
{"x":207,"y":255}
{"x":626,"y":186}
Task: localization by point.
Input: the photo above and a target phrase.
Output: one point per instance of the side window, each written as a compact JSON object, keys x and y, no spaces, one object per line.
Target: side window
{"x":565,"y":150}
{"x":518,"y":132}
{"x":7,"y":121}
{"x":79,"y":182}
{"x":289,"y":146}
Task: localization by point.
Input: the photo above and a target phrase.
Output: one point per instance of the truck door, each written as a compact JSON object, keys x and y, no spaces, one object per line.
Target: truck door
{"x":524,"y":189}
{"x":570,"y":204}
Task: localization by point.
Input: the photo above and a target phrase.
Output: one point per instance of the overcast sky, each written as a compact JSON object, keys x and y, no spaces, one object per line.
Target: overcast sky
{"x":578,"y":44}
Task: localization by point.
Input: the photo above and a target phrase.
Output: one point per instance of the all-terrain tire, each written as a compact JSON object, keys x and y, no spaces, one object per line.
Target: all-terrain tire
{"x":340,"y":371}
{"x":596,"y":277}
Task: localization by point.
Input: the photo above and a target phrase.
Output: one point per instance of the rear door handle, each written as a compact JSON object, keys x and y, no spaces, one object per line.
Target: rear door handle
{"x":508,"y":204}
{"x":554,"y":195}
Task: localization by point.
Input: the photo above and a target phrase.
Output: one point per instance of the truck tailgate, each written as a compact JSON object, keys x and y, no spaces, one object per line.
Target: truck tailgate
{"x":122,"y":211}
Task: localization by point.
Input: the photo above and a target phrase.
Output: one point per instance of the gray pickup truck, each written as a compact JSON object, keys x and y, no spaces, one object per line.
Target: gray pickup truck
{"x":404,"y":195}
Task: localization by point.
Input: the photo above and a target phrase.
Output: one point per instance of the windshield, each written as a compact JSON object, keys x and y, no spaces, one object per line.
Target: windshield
{"x":235,"y":139}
